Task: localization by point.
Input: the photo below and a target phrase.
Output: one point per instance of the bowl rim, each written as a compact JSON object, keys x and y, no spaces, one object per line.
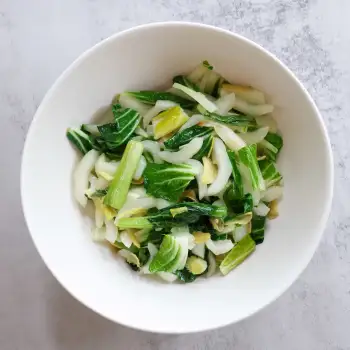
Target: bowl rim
{"x":249,"y":42}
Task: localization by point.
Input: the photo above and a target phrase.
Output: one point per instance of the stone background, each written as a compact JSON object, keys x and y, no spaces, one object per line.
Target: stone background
{"x":40,"y":38}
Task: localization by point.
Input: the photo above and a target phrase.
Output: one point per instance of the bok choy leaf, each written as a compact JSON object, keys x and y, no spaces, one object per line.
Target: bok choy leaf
{"x":80,"y":139}
{"x":163,"y":218}
{"x":167,"y":181}
{"x":248,"y":157}
{"x":183,"y":137}
{"x":237,"y":255}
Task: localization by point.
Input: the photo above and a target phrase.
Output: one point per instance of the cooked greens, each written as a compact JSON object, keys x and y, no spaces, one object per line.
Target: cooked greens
{"x":182,"y":181}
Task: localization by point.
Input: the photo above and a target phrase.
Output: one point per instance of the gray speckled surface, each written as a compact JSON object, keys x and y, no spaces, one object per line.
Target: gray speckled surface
{"x":38,"y":39}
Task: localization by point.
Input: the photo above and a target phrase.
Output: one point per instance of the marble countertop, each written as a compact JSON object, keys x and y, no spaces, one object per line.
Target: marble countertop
{"x":38,"y":39}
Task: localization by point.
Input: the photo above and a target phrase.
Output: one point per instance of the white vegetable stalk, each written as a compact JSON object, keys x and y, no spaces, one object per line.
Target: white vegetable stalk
{"x":152,"y":147}
{"x":239,"y":233}
{"x":246,"y":93}
{"x":199,"y":250}
{"x":198,"y":167}
{"x":162,"y":203}
{"x":160,"y":106}
{"x":211,"y":265}
{"x":96,"y":183}
{"x":255,"y":136}
{"x":224,"y":168}
{"x":231,"y":139}
{"x":225,"y":103}
{"x":194,"y":120}
{"x":112,"y":233}
{"x":219,"y":247}
{"x":185,"y":153}
{"x":153,"y":250}
{"x":167,"y":276}
{"x":81,"y":176}
{"x":267,"y":120}
{"x":131,"y":102}
{"x":183,"y":232}
{"x":197,"y":96}
{"x":261,"y":209}
{"x":183,"y":242}
{"x":135,"y":205}
{"x":272,"y":193}
{"x":138,"y":192}
{"x":197,"y":74}
{"x":104,"y":168}
{"x":99,"y":214}
{"x":253,"y":110}
{"x":139,"y":131}
{"x":140,"y":168}
{"x":125,"y":239}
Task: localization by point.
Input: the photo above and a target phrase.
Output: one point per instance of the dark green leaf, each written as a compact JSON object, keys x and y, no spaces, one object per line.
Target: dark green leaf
{"x":133,"y":266}
{"x":181,"y":79}
{"x":237,"y":186}
{"x":205,"y":149}
{"x":238,"y":205}
{"x":275,"y":139}
{"x":100,"y":193}
{"x":248,"y":157}
{"x":167,"y":181}
{"x":207,"y":65}
{"x":143,"y":255}
{"x":217,"y":236}
{"x":271,"y":146}
{"x":258,"y":229}
{"x":183,"y":137}
{"x":151,"y":97}
{"x":269,"y":172}
{"x":164,"y":217}
{"x":113,"y":135}
{"x":185,"y":276}
{"x":81,"y":140}
{"x":231,"y":119}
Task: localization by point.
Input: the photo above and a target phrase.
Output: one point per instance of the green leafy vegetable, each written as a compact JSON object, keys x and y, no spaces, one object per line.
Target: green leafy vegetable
{"x":269,"y":172}
{"x":167,"y":181}
{"x":99,"y":193}
{"x":183,"y":137}
{"x":231,"y":119}
{"x":185,"y":276}
{"x":271,"y":145}
{"x":206,"y":148}
{"x":80,"y":139}
{"x":238,"y":205}
{"x":248,"y":157}
{"x":118,"y":133}
{"x":237,"y":185}
{"x":237,"y":255}
{"x":217,"y":236}
{"x":163,"y":218}
{"x":166,"y":254}
{"x":258,"y":228}
{"x":119,"y":187}
{"x":151,"y":97}
{"x":207,"y":65}
{"x":143,"y":255}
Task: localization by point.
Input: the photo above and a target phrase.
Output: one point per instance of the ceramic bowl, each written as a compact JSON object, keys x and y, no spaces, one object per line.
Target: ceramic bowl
{"x":147,"y":57}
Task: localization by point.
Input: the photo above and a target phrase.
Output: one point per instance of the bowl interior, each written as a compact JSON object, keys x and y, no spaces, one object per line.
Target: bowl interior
{"x":146,"y":58}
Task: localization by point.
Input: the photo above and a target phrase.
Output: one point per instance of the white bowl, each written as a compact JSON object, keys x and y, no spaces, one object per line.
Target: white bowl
{"x":147,"y":57}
